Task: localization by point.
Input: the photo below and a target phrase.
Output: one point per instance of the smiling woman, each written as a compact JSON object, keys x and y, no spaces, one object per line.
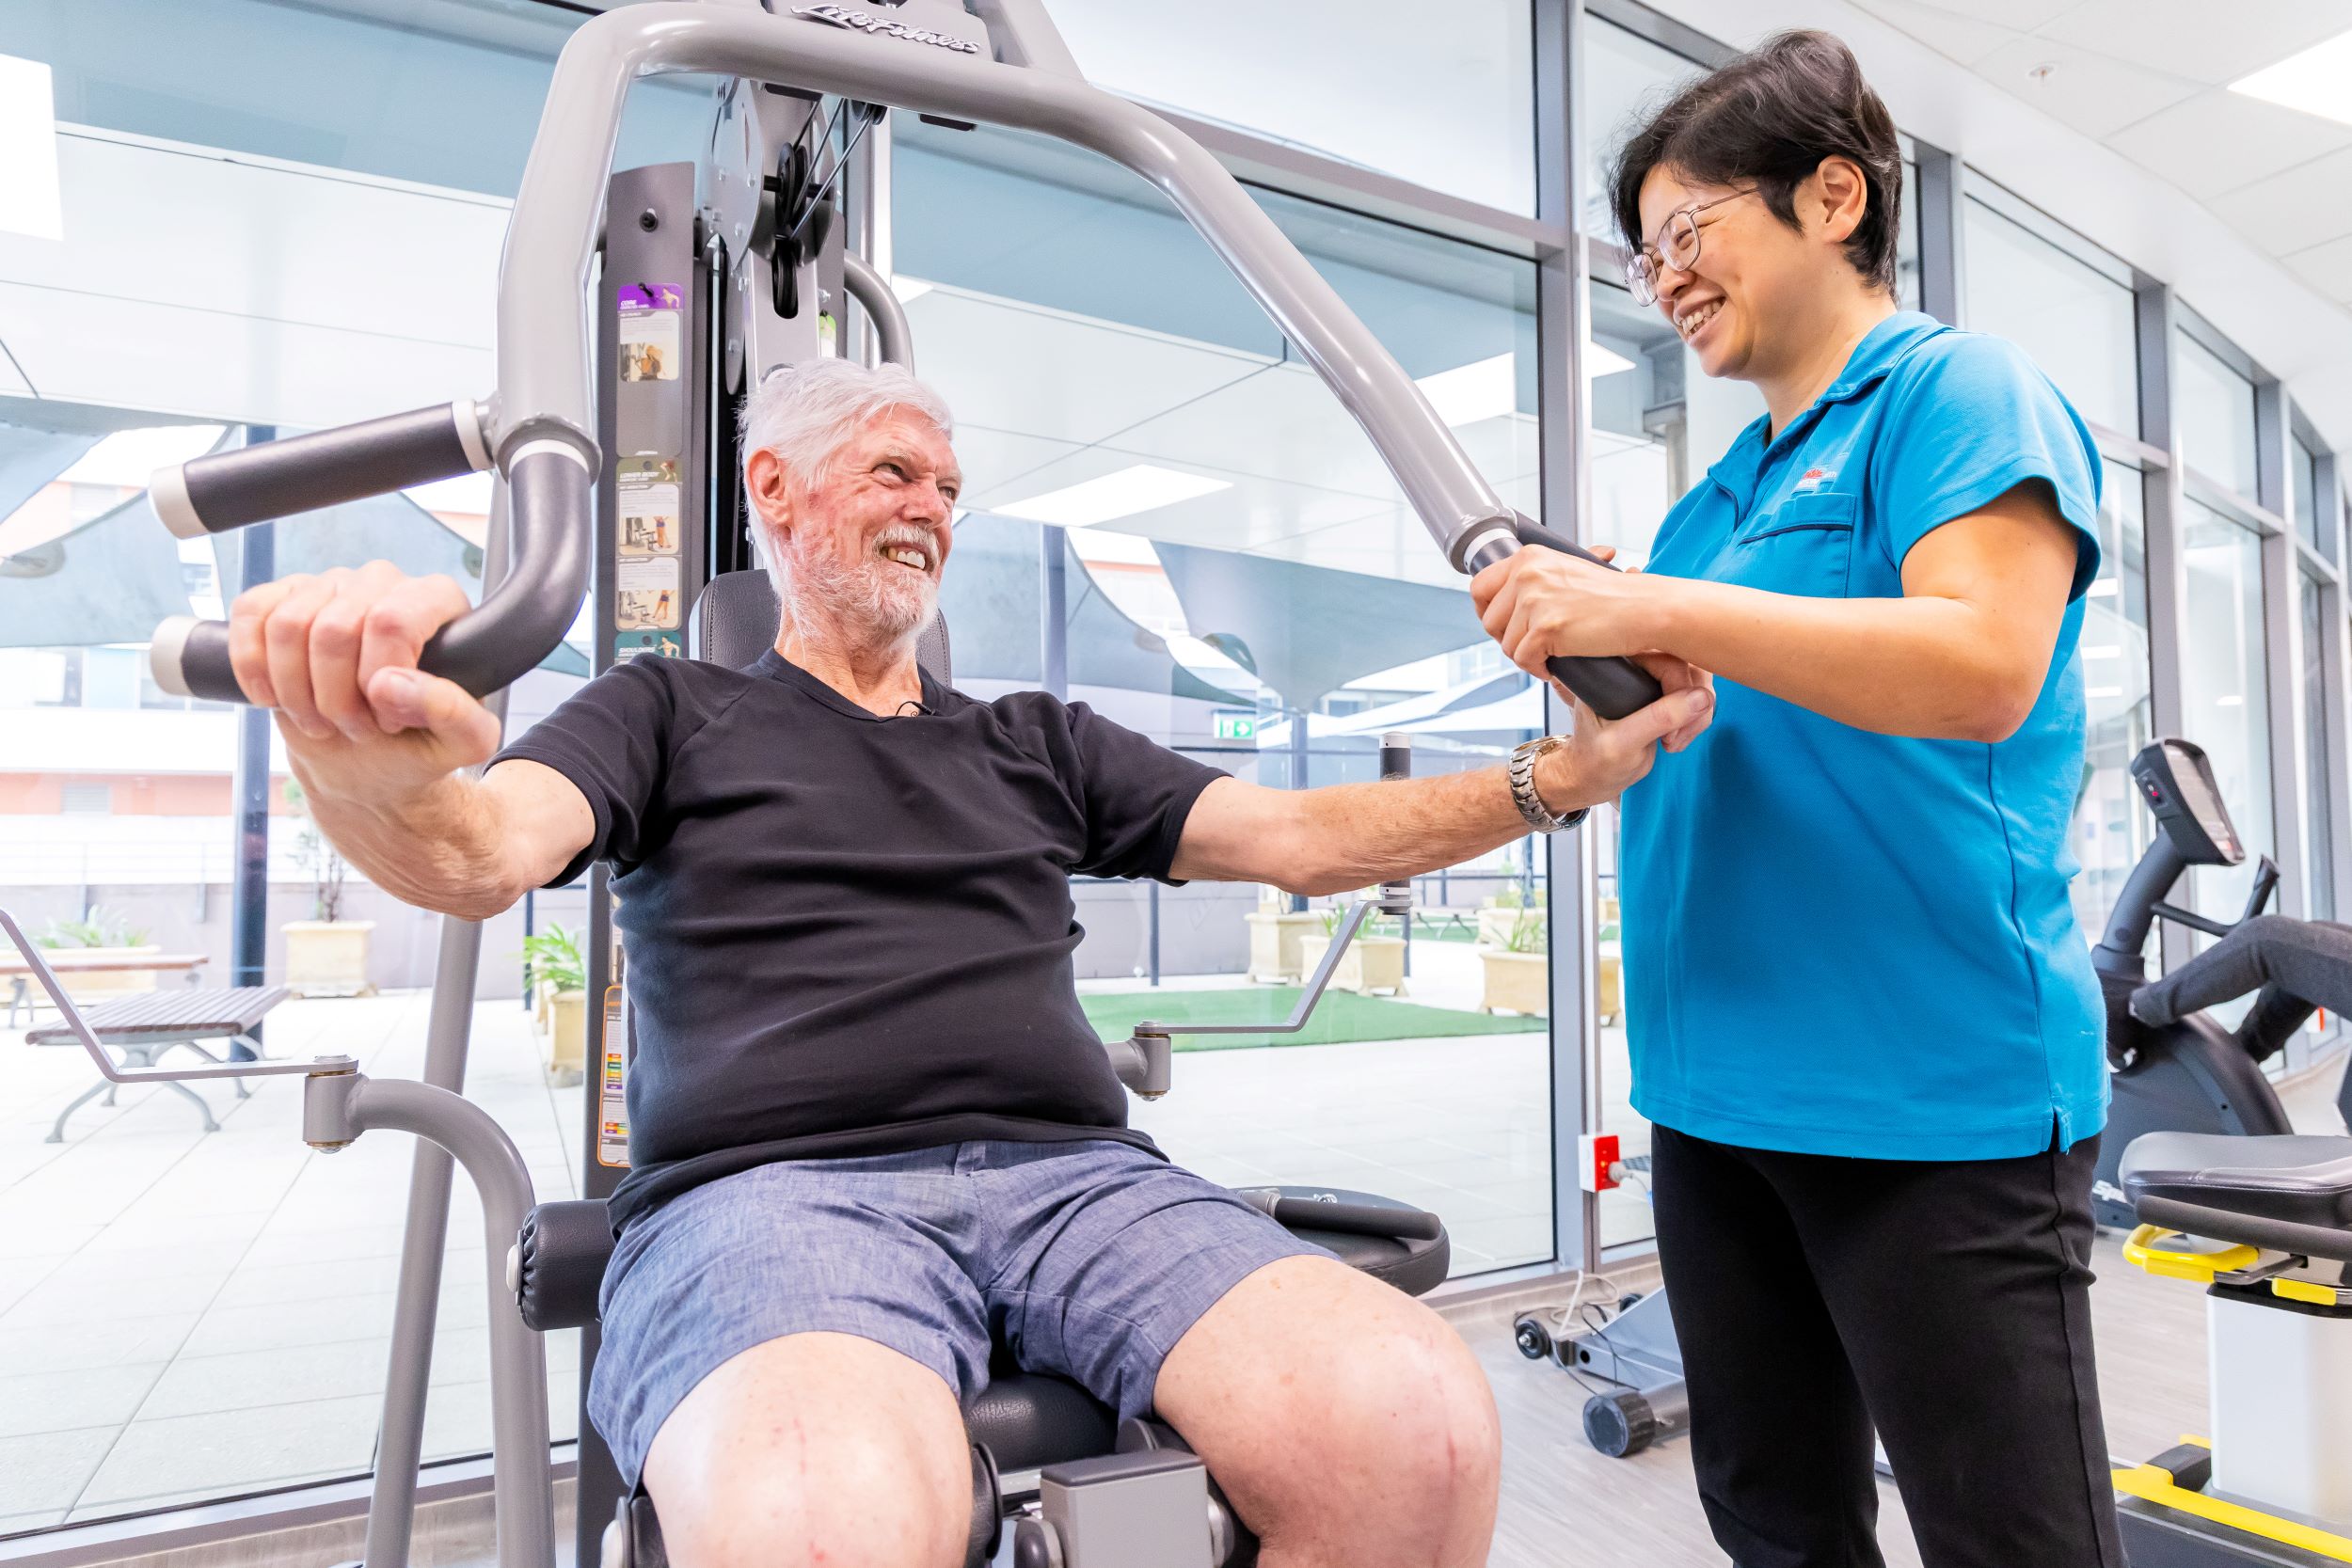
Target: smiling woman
{"x":1859,"y":1013}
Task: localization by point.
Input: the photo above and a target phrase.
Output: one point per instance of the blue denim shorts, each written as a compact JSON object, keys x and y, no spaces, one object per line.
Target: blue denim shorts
{"x":1087,"y":1259}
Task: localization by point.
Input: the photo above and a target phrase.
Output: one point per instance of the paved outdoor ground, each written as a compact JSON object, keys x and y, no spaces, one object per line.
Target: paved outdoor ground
{"x":185,"y":1315}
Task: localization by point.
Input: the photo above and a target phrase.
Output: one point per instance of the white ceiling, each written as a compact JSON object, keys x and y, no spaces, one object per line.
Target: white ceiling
{"x":2150,"y":79}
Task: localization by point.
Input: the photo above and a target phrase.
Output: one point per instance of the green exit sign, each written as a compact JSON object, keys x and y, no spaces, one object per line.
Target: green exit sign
{"x":1238,"y":726}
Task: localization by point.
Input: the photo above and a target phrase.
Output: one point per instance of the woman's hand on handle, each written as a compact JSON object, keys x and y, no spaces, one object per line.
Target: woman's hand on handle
{"x":336,"y":655}
{"x":1543,"y":604}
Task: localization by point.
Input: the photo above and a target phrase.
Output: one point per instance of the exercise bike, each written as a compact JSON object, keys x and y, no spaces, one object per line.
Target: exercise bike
{"x":2175,"y":1068}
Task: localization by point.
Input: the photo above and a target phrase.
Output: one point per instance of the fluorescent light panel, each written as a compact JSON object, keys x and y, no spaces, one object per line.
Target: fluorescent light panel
{"x":30,"y":199}
{"x":1143,"y":487}
{"x":1489,"y":389}
{"x":2312,"y":81}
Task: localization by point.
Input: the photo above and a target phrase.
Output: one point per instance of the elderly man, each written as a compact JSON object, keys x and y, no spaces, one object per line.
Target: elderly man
{"x":870,"y":1123}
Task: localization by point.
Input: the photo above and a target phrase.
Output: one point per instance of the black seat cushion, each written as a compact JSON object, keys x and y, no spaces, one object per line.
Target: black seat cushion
{"x":736,"y":617}
{"x":2293,"y":1178}
{"x":1029,"y":1419}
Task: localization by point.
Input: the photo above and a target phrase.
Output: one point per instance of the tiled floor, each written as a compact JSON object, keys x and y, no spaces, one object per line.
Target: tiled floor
{"x":185,"y":1315}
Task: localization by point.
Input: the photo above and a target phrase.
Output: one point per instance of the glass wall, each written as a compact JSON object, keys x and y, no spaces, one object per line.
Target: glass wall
{"x":2303,"y":496}
{"x":2076,"y":320}
{"x":1244,"y":582}
{"x":2112,"y":828}
{"x":1449,"y":108}
{"x":2319,"y":854}
{"x":2215,"y":411}
{"x":276,"y":216}
{"x":2225,"y":691}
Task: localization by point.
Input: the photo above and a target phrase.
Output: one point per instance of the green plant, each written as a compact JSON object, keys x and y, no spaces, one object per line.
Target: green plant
{"x":314,"y":854}
{"x":101,"y":928}
{"x":1527,"y":933}
{"x":554,"y":958}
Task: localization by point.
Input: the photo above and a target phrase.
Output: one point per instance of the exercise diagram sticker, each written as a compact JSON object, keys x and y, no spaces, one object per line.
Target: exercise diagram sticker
{"x":650,"y":330}
{"x":648,"y":506}
{"x":647,"y":592}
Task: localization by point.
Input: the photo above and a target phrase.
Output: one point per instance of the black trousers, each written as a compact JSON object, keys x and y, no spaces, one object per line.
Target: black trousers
{"x":1947,"y":1302}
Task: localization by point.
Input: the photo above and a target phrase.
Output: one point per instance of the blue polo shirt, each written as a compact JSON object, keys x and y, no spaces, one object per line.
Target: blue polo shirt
{"x":1841,"y":943}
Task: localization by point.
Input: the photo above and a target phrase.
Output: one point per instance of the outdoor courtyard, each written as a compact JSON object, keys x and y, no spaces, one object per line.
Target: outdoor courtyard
{"x":187,"y":1315}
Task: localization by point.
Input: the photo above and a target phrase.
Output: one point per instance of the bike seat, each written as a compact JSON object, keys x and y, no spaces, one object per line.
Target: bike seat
{"x":2293,"y":1178}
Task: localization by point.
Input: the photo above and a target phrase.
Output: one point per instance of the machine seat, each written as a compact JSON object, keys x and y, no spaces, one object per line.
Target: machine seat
{"x":2290,"y":1177}
{"x":1027,"y":1419}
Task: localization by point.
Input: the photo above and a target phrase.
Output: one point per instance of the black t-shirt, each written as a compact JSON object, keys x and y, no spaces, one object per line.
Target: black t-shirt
{"x":849,"y":934}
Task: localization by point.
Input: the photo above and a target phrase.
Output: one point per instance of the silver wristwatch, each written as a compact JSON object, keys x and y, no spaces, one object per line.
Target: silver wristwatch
{"x":1522,"y":771}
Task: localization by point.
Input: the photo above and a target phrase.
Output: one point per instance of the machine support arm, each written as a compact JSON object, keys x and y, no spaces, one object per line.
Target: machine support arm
{"x":544,"y":363}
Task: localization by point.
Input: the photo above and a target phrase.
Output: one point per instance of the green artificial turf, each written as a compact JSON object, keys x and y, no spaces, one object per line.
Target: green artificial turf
{"x":1341,"y":1017}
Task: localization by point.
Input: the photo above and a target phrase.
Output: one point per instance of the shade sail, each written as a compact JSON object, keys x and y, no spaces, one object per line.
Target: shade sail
{"x":993,"y":600}
{"x":1312,"y":630}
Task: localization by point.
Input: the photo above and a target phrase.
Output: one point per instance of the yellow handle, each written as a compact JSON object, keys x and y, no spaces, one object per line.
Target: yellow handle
{"x":2170,"y":1263}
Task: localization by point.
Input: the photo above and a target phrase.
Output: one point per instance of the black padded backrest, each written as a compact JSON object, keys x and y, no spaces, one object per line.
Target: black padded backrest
{"x":735,"y":621}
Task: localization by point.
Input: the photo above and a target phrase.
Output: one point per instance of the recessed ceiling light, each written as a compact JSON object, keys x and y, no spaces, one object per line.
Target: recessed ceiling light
{"x":1489,"y":389}
{"x":30,"y":202}
{"x":1143,"y":487}
{"x":2312,"y":81}
{"x":1482,"y":390}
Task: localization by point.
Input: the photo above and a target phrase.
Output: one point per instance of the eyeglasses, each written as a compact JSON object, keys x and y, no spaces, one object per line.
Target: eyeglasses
{"x":1677,"y":247}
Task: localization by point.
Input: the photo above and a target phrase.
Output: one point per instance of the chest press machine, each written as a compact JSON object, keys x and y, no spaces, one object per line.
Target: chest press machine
{"x":709,"y":275}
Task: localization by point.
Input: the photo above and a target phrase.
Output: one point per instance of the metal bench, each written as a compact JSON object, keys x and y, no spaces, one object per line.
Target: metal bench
{"x":142,"y":1028}
{"x":91,"y":961}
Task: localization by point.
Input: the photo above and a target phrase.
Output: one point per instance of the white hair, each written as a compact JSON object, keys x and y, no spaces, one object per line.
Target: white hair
{"x":805,"y":413}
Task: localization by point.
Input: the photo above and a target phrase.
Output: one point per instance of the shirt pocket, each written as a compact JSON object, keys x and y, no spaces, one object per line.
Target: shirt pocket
{"x":1806,"y":546}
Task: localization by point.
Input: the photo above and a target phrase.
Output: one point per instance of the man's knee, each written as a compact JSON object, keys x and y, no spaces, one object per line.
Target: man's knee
{"x":1347,"y":1422}
{"x":816,"y":1449}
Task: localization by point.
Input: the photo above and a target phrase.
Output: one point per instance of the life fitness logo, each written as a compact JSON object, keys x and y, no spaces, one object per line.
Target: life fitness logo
{"x":866,"y":21}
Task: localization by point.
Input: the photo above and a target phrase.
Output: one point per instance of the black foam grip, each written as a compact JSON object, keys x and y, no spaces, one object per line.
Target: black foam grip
{"x":1356,"y":1219}
{"x":1612,"y":688}
{"x":326,"y":467}
{"x":550,"y":510}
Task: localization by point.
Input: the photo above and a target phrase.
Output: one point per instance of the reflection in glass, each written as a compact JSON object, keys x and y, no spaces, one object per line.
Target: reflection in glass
{"x":2216,"y":410}
{"x":2226,"y":693}
{"x":2111,"y":827}
{"x":2074,"y":321}
{"x":1242,"y":581}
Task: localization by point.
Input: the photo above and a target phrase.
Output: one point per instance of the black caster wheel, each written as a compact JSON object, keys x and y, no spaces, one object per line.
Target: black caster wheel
{"x":1620,"y":1424}
{"x":1534,"y":1339}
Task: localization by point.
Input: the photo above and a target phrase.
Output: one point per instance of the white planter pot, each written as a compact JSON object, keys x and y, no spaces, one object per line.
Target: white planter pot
{"x":1371,"y":965}
{"x":1516,"y":983}
{"x":327,"y":957}
{"x":1274,"y":939}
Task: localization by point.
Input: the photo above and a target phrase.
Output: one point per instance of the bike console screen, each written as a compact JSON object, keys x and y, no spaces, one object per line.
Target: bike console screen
{"x":2176,"y":781}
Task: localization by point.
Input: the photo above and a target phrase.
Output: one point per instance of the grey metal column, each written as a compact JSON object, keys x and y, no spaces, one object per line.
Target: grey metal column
{"x":2166,"y":510}
{"x":1053,"y":611}
{"x":249,"y":898}
{"x":2337,"y":690}
{"x":2282,"y":645}
{"x":416,"y":1306}
{"x":1562,"y":418}
{"x":1942,"y":288}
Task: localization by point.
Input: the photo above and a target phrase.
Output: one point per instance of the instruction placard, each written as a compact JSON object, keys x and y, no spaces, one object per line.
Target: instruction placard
{"x":612,"y":1081}
{"x":648,"y":508}
{"x":651,"y":330}
{"x":648,"y":593}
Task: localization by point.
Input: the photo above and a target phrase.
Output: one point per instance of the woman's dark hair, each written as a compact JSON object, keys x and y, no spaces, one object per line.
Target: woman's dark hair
{"x":1767,"y":119}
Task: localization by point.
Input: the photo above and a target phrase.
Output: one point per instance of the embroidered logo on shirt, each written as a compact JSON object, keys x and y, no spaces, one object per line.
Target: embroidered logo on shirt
{"x":1814,"y":478}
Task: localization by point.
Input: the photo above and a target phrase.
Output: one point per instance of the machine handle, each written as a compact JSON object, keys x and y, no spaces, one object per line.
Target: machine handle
{"x":224,"y":490}
{"x":2219,"y":1225}
{"x":549,"y":489}
{"x":1353,"y":1219}
{"x":1612,"y":688}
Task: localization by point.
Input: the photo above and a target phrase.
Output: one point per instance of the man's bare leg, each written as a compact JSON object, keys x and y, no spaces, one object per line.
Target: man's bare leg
{"x":1350,"y":1426}
{"x":813,"y":1448}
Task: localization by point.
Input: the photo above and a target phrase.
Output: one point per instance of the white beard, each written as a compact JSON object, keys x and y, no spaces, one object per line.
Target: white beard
{"x":876,"y":597}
